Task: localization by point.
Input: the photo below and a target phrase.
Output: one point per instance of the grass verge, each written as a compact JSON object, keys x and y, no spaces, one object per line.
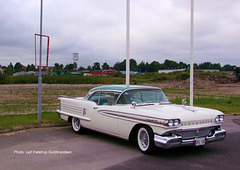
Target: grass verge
{"x":13,"y":121}
{"x":225,"y":104}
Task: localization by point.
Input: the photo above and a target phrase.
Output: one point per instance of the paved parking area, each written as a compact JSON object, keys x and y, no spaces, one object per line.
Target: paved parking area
{"x":61,"y":148}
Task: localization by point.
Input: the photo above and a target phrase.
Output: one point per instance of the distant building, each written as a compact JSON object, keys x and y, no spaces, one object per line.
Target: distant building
{"x":24,"y":68}
{"x":131,"y":72}
{"x":25,"y":73}
{"x":169,"y":71}
{"x":207,"y":70}
{"x":102,"y":72}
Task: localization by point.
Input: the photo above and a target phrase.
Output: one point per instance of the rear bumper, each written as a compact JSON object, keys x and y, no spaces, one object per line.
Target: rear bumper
{"x":177,"y":141}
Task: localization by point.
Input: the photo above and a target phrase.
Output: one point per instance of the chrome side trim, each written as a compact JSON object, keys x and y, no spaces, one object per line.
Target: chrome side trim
{"x":134,"y":118}
{"x":73,"y":115}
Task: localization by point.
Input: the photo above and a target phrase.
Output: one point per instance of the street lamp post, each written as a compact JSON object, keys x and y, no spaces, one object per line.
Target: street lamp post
{"x":40,"y":71}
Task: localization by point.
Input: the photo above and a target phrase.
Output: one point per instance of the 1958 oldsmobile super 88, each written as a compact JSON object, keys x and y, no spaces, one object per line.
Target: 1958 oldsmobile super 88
{"x":144,"y":114}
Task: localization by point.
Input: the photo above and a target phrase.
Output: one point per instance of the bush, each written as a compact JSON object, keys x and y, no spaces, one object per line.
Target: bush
{"x":3,"y":79}
{"x":160,"y":77}
{"x":23,"y":79}
{"x":183,"y":76}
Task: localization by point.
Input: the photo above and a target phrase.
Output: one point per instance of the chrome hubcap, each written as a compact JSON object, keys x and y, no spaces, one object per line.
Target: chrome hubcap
{"x":76,"y":123}
{"x":144,"y":139}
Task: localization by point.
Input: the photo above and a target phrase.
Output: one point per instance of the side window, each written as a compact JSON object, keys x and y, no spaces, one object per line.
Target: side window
{"x":124,"y":99}
{"x":108,"y":98}
{"x":130,"y":96}
{"x":104,"y":98}
{"x":95,"y":97}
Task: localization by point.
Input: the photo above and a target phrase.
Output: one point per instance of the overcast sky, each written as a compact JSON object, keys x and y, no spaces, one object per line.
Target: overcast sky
{"x":96,"y":29}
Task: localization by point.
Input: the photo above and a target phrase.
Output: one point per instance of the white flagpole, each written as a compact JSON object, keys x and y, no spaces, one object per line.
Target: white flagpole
{"x":40,"y":63}
{"x":191,"y":53}
{"x":127,"y":42}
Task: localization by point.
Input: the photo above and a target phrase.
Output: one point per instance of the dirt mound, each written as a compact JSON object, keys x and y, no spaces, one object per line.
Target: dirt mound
{"x":203,"y":81}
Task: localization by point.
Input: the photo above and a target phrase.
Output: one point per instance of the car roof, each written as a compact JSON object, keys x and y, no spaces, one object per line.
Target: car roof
{"x":121,"y":88}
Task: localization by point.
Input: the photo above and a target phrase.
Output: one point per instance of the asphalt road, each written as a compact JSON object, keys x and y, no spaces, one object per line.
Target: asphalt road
{"x":61,"y":148}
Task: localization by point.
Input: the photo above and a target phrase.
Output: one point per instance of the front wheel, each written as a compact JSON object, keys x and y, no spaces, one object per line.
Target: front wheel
{"x":76,"y":125}
{"x":145,"y":139}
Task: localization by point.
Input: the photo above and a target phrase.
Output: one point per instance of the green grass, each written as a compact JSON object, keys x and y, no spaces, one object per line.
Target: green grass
{"x":225,"y":104}
{"x":17,"y":106}
{"x":11,"y":121}
{"x":25,"y":101}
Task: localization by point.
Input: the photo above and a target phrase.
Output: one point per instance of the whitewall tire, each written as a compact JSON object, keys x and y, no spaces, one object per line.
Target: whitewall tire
{"x":76,"y":125}
{"x":145,"y":140}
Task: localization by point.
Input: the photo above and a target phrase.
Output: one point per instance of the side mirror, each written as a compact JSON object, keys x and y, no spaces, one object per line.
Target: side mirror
{"x":184,"y":101}
{"x":134,"y":104}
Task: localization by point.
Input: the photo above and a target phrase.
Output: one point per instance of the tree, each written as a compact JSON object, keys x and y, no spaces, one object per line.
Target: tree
{"x":171,"y":64}
{"x":167,"y":63}
{"x":133,"y":65}
{"x":147,"y":67}
{"x":81,"y":68}
{"x":205,"y":65}
{"x":105,"y":66}
{"x":18,"y":67}
{"x":9,"y":69}
{"x":58,"y":67}
{"x":122,"y":66}
{"x":228,"y":67}
{"x":182,"y":65}
{"x":89,"y":68}
{"x":142,"y":67}
{"x":75,"y":65}
{"x":154,"y":66}
{"x":30,"y":67}
{"x":96,"y":66}
{"x":117,"y":66}
{"x":216,"y":66}
{"x":69,"y":67}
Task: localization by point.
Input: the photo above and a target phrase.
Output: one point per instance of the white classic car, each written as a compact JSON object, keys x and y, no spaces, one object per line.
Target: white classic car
{"x":143,"y":114}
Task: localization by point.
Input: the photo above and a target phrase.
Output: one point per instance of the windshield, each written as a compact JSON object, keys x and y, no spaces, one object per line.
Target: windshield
{"x":143,"y":96}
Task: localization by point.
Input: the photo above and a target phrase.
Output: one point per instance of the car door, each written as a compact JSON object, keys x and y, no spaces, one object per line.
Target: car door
{"x":104,"y":116}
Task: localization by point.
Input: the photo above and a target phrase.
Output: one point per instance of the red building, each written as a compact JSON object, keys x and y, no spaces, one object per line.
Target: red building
{"x":24,"y":68}
{"x":102,"y":72}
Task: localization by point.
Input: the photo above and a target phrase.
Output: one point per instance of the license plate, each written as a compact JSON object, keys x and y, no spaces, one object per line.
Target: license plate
{"x":200,"y":141}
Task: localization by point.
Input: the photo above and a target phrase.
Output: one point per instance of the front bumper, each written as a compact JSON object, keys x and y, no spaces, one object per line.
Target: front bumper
{"x":167,"y":142}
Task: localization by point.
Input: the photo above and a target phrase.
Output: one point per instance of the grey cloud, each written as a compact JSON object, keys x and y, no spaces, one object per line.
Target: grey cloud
{"x":96,"y":29}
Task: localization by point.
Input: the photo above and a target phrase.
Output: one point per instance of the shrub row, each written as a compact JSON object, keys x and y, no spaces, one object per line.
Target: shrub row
{"x":116,"y":78}
{"x":66,"y":79}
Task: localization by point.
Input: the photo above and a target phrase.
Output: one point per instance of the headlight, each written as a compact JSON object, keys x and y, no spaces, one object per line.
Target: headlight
{"x":173,"y":122}
{"x":170,"y":123}
{"x":219,"y":119}
{"x":176,"y":122}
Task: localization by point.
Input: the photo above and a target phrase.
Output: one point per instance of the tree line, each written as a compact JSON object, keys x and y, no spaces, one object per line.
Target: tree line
{"x":121,"y":66}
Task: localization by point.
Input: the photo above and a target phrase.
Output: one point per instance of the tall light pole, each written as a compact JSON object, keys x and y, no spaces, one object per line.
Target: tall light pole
{"x":40,"y":71}
{"x":127,"y":42}
{"x":191,"y":52}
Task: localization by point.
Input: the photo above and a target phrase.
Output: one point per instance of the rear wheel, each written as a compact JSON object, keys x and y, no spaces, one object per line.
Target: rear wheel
{"x":145,"y":139}
{"x":76,"y":125}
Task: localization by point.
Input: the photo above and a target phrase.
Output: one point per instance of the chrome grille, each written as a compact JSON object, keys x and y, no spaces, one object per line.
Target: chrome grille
{"x":196,"y":133}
